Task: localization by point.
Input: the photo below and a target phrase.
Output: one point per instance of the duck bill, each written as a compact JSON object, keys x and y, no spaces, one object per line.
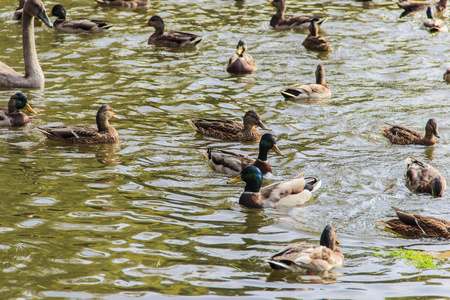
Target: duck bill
{"x":115,"y":117}
{"x":44,"y":18}
{"x":240,"y":50}
{"x":145,"y":25}
{"x":337,"y":241}
{"x":28,"y":107}
{"x":260,"y":124}
{"x":277,"y":150}
{"x":236,"y":179}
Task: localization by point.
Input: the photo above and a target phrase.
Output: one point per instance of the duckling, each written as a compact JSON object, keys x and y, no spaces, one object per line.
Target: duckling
{"x":404,"y":136}
{"x":241,"y":62}
{"x":413,"y":6}
{"x":232,"y":163}
{"x":423,"y":178}
{"x":287,"y":193}
{"x":447,"y":75}
{"x":418,"y":226}
{"x":105,"y":134}
{"x":125,"y":3}
{"x":230,"y":130}
{"x":313,"y":90}
{"x":303,"y":257}
{"x":76,"y":25}
{"x":11,"y":116}
{"x":171,"y":39}
{"x":314,"y":41}
{"x":299,"y":22}
{"x":433,"y":25}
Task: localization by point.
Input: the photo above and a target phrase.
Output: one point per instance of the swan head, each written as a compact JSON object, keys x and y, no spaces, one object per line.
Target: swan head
{"x":35,"y":8}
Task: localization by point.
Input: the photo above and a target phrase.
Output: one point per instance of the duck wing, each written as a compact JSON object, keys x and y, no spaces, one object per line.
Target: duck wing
{"x":227,"y":162}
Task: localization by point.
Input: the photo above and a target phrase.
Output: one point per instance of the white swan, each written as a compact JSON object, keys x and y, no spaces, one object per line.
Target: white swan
{"x":33,"y":78}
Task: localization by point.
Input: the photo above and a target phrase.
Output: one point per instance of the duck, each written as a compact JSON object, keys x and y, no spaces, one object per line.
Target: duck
{"x":404,"y":136}
{"x":417,"y":226}
{"x":299,"y":22}
{"x":171,"y":39}
{"x":287,"y":193}
{"x":232,"y":163}
{"x":413,"y":6}
{"x":313,"y":90}
{"x":125,"y":3}
{"x":76,"y":25}
{"x":423,"y":178}
{"x":241,"y":62}
{"x":19,"y":10}
{"x":11,"y":116}
{"x":304,"y":257}
{"x":230,"y":130}
{"x":314,"y":41}
{"x":447,"y":75}
{"x":105,"y":134}
{"x":433,"y":25}
{"x":34,"y":77}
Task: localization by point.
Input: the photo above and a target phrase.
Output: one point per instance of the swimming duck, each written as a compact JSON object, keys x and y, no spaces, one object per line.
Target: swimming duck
{"x":11,"y":116}
{"x":230,"y":130}
{"x":105,"y":134}
{"x":171,"y":39}
{"x":404,"y":136}
{"x":18,"y":13}
{"x":75,"y":25}
{"x":303,"y":257}
{"x":300,"y":22}
{"x":412,"y":6}
{"x":433,"y":25}
{"x":287,"y":193}
{"x":232,"y":163}
{"x":241,"y":62}
{"x":418,"y":226}
{"x":447,"y":75}
{"x":314,"y":41}
{"x":125,"y":3}
{"x":313,"y":90}
{"x":423,"y":178}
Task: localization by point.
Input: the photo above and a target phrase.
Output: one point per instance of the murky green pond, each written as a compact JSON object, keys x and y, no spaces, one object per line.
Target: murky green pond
{"x":148,"y":218}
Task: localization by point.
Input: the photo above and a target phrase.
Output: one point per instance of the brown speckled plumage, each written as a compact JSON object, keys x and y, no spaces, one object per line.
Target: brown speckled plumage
{"x":300,"y":22}
{"x":105,"y":134}
{"x":230,"y":130}
{"x":404,"y":136}
{"x":124,"y":3}
{"x":423,"y":178}
{"x":412,"y":6}
{"x":418,"y":226}
{"x":314,"y":41}
{"x":313,"y":90}
{"x":447,"y":75}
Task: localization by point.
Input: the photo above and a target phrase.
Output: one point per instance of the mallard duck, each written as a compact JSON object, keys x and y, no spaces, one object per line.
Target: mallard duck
{"x":18,"y":13}
{"x":412,"y":6}
{"x":230,"y":130}
{"x":105,"y":134}
{"x":33,"y":78}
{"x":423,"y":178}
{"x":447,"y":75}
{"x":418,"y":226}
{"x":313,"y":90}
{"x":404,"y":136}
{"x":232,"y":163}
{"x":300,"y":22}
{"x":241,"y":62}
{"x":11,"y":116}
{"x":287,"y":193}
{"x":303,"y":257}
{"x":125,"y":3}
{"x":433,"y":25}
{"x":314,"y":41}
{"x":171,"y":39}
{"x":76,"y":25}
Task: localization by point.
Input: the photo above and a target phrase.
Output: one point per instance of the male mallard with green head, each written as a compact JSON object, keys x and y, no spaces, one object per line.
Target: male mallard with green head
{"x":11,"y":116}
{"x":75,"y":25}
{"x":241,"y":62}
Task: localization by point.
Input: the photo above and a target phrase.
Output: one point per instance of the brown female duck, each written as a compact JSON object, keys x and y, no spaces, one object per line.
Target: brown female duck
{"x":412,"y":6}
{"x":404,"y":136}
{"x":171,"y":39}
{"x":230,"y":130}
{"x":300,"y":22}
{"x":303,"y":257}
{"x":105,"y":134}
{"x":232,"y":163}
{"x":313,"y":90}
{"x":241,"y":62}
{"x":287,"y":193}
{"x":314,"y":41}
{"x":418,"y":226}
{"x":125,"y":3}
{"x":447,"y":75}
{"x":11,"y":116}
{"x":423,"y":178}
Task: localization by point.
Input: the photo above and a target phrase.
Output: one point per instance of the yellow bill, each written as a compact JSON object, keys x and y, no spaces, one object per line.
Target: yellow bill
{"x":28,"y":107}
{"x":236,"y":179}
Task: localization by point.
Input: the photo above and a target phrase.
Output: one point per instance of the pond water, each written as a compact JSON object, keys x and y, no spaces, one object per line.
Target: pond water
{"x":148,"y":218}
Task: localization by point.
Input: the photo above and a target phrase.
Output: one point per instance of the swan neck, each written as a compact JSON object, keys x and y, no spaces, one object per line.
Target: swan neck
{"x":32,"y":67}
